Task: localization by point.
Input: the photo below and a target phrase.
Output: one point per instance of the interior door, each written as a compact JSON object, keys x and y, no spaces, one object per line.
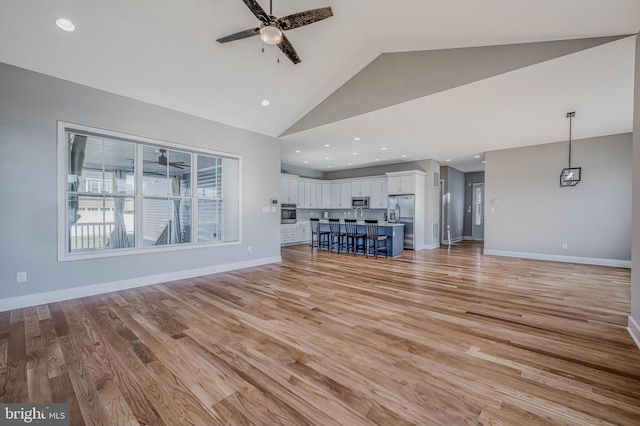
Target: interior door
{"x":478,"y":212}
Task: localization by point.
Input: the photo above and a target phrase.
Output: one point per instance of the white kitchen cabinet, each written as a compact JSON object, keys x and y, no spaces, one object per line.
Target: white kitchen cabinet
{"x":288,"y":233}
{"x":311,"y":195}
{"x":401,"y":184}
{"x":379,"y":193}
{"x":361,"y":188}
{"x":301,"y":199}
{"x":345,"y":195}
{"x":325,"y":195}
{"x":304,"y":232}
{"x":289,"y":189}
{"x":335,"y":196}
{"x":295,"y":233}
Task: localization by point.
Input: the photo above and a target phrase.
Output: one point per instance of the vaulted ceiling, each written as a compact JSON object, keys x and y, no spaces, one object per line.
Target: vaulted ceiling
{"x":164,"y":52}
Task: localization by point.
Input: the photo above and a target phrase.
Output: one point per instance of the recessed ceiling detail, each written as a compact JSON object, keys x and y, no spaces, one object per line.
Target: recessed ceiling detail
{"x":423,"y":73}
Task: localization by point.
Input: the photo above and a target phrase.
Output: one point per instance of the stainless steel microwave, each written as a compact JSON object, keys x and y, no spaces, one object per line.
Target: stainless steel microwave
{"x":362,"y":202}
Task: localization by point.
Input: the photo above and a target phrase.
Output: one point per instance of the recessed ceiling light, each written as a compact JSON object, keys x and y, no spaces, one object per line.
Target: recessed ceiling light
{"x":476,"y":156}
{"x":326,"y":158}
{"x":403,"y":155}
{"x":376,"y":159}
{"x":328,"y":167}
{"x":384,"y":149}
{"x":305,"y":161}
{"x":298,"y":151}
{"x":356,"y":139}
{"x":265,"y":102}
{"x":448,"y":160}
{"x":482,"y":161}
{"x":348,"y":164}
{"x":355,"y":153}
{"x":65,"y":24}
{"x":327,"y":145}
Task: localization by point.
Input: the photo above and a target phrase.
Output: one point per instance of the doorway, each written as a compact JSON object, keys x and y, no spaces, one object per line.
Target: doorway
{"x":477,"y":231}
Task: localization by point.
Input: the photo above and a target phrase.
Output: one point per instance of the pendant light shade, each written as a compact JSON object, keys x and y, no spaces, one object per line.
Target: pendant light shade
{"x":570,"y":176}
{"x":271,"y":34}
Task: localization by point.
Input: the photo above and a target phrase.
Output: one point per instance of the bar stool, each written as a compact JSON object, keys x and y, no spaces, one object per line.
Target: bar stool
{"x":315,"y":231}
{"x":355,"y":240}
{"x":375,"y":239}
{"x":336,"y":237}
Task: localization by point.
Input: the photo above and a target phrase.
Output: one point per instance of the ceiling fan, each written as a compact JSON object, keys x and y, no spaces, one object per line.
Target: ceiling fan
{"x":162,"y":161}
{"x":271,"y":28}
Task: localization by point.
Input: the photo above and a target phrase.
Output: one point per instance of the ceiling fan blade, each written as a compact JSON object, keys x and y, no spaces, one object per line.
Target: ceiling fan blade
{"x":257,"y":10}
{"x":288,"y":50}
{"x":177,"y":166}
{"x":239,"y":36}
{"x":301,"y":19}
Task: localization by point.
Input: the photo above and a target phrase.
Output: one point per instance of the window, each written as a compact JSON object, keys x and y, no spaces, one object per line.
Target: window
{"x":124,"y":194}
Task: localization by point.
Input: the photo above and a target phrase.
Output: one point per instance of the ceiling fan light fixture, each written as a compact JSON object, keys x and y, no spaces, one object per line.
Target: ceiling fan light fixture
{"x":271,"y":34}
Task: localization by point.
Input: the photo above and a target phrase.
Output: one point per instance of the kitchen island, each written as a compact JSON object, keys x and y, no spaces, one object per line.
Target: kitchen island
{"x":393,"y":231}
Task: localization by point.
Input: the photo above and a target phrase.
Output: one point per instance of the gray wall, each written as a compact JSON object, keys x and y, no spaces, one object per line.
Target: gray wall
{"x":31,"y":104}
{"x":635,"y":267}
{"x":423,"y":73}
{"x":454,"y":191}
{"x":469,"y":180}
{"x":533,"y":214}
{"x":422,"y":165}
{"x":301,"y":171}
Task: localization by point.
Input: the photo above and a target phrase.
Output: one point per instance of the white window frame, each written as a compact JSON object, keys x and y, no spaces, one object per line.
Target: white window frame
{"x":64,"y":255}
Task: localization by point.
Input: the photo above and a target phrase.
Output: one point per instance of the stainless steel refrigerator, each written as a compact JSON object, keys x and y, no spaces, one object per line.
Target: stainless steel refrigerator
{"x":402,"y":208}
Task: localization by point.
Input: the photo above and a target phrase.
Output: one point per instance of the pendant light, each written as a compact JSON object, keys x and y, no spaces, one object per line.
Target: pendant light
{"x":570,"y":176}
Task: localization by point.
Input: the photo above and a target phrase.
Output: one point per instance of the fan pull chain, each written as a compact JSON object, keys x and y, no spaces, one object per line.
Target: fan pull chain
{"x":278,"y":55}
{"x":263,"y":46}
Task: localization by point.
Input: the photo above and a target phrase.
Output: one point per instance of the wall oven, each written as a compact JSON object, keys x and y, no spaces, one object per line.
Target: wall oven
{"x":362,"y":202}
{"x":288,"y":213}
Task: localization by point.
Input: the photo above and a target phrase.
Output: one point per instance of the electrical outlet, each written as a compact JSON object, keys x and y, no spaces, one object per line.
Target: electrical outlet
{"x":21,"y":277}
{"x":565,"y":246}
{"x":250,"y":250}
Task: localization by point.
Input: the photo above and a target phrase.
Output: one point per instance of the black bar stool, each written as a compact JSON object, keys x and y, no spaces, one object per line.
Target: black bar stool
{"x":374,"y":238}
{"x":336,"y":237}
{"x":321,"y":237}
{"x":355,"y":240}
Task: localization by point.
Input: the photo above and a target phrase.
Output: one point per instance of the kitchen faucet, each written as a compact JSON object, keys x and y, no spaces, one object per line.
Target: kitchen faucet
{"x":361,"y":212}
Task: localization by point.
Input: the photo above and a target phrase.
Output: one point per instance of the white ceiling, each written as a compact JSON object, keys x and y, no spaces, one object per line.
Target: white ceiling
{"x":164,"y":52}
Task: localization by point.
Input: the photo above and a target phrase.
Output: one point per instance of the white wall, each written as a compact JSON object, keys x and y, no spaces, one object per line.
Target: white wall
{"x":533,"y":214}
{"x":30,"y":106}
{"x":634,"y":321}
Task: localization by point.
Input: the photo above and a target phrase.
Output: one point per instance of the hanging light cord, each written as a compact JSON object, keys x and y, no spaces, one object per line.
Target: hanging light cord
{"x":570,"y":119}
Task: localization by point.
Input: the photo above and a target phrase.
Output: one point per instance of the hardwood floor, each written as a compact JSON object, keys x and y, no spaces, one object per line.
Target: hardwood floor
{"x":433,"y":338}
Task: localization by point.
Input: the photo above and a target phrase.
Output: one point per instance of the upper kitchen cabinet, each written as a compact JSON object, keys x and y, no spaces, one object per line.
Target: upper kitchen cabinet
{"x":289,"y":189}
{"x":361,"y":188}
{"x":325,"y":190}
{"x":312,"y":195}
{"x":340,"y":195}
{"x":401,"y":183}
{"x":379,"y":193}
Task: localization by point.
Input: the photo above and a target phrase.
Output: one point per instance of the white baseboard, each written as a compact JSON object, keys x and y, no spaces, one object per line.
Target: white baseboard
{"x":468,"y":238}
{"x":558,"y":258}
{"x":428,"y":247}
{"x":92,"y":290}
{"x":634,"y":331}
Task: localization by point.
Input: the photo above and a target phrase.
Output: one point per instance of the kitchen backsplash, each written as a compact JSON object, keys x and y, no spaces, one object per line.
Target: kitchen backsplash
{"x":305,"y":214}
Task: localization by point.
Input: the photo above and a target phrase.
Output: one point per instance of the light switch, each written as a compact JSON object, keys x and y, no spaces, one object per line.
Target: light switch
{"x":265,"y":209}
{"x":493,"y":210}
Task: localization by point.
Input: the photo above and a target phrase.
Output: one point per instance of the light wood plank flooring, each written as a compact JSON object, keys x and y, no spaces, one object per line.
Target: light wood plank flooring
{"x":433,"y":338}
